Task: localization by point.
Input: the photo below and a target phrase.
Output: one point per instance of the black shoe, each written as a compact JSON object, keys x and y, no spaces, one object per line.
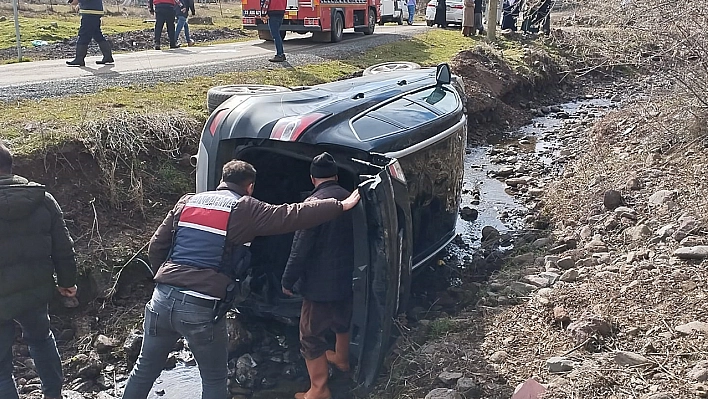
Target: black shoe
{"x":174,"y":46}
{"x":278,"y":58}
{"x":81,"y":51}
{"x":157,"y":47}
{"x":105,"y":47}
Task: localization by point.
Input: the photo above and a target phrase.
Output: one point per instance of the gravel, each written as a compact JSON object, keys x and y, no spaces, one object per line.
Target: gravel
{"x":84,"y":85}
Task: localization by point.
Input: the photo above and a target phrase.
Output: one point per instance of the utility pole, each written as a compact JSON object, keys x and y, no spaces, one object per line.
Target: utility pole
{"x":492,"y":20}
{"x":15,"y":7}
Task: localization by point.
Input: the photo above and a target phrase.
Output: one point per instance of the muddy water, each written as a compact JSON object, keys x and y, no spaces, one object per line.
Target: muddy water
{"x":539,"y":142}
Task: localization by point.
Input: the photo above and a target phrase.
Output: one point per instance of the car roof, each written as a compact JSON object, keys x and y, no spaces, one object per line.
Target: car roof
{"x":339,"y":102}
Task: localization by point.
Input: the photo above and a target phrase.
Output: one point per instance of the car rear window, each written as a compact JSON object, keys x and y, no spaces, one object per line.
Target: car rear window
{"x":368,"y":127}
{"x":441,"y":100}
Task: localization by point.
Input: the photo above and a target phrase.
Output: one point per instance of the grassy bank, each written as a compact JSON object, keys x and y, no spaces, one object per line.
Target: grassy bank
{"x":60,"y":118}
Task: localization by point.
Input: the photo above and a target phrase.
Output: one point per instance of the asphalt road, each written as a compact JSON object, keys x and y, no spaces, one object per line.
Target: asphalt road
{"x":53,"y":78}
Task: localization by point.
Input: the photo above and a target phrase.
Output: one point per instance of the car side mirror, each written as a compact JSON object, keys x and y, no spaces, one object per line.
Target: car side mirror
{"x":443,"y":75}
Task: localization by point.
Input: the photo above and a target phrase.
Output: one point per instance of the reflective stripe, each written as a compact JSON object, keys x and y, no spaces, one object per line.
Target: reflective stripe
{"x":202,"y":228}
{"x":91,"y":12}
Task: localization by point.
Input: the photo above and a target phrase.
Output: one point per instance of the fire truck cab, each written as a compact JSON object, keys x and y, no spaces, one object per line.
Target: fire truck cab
{"x":326,"y":19}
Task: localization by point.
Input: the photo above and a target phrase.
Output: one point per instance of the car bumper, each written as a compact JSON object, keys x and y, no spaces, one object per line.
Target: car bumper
{"x":296,"y":26}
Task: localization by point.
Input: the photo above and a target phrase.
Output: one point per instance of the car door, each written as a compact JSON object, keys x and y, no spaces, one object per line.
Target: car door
{"x":381,"y":274}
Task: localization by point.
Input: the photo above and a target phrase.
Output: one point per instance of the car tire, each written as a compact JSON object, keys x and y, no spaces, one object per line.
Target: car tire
{"x":218,"y":94}
{"x":390,"y":67}
{"x":429,"y":22}
{"x":337,"y":28}
{"x":369,"y":30}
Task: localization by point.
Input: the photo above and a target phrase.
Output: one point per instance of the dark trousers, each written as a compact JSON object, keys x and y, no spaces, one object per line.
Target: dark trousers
{"x":90,"y":28}
{"x":316,"y":318}
{"x":165,"y":15}
{"x":275,"y":21}
{"x":43,"y":349}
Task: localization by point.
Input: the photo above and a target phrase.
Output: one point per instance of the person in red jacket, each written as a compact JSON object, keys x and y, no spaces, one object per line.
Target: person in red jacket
{"x":273,"y":12}
{"x":164,"y":12}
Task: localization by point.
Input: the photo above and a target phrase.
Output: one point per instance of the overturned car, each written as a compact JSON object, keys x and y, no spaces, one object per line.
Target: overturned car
{"x":399,"y":136}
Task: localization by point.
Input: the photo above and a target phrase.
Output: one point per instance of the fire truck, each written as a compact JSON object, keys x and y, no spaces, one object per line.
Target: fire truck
{"x":326,"y":19}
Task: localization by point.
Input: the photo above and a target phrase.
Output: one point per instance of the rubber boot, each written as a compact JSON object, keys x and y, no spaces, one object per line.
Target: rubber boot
{"x":81,"y":50}
{"x":340,"y":356}
{"x":319,"y":373}
{"x":105,"y":47}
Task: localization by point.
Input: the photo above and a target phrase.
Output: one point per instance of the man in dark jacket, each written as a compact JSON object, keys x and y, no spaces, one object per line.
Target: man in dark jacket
{"x":320,"y":268}
{"x":201,"y":249}
{"x":91,"y":12}
{"x":34,"y":244}
{"x":164,"y":12}
{"x":273,"y":13}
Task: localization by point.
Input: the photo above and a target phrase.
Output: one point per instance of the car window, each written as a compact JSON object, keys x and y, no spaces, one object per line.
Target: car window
{"x":404,"y":112}
{"x":441,"y":100}
{"x":368,"y":127}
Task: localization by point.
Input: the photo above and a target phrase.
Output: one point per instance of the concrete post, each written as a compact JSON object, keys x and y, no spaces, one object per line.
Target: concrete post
{"x":15,"y":11}
{"x":492,"y":20}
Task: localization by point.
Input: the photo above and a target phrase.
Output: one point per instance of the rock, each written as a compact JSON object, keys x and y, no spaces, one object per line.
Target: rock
{"x":449,"y":378}
{"x":560,"y":315}
{"x":697,"y":252}
{"x":699,"y":372}
{"x":701,"y":390}
{"x":132,"y":344}
{"x":443,"y":393}
{"x":104,"y":344}
{"x":517,"y":181}
{"x":3,"y":18}
{"x":587,"y":326}
{"x":246,"y":372}
{"x":694,"y":326}
{"x":596,"y":244}
{"x":522,"y":289}
{"x":469,"y":214}
{"x":505,"y":171}
{"x":661,"y":197}
{"x":559,"y":364}
{"x":498,"y":357}
{"x":551,"y":276}
{"x":524,"y":259}
{"x":104,"y":395}
{"x":638,"y":232}
{"x":634,"y":184}
{"x":687,"y":225}
{"x":466,"y":386}
{"x":538,"y":281}
{"x":612,"y":199}
{"x":69,"y":394}
{"x":201,"y":20}
{"x":626,"y":212}
{"x":630,"y":359}
{"x":585,"y":232}
{"x":536,"y":192}
{"x":566,"y":263}
{"x":239,"y":337}
{"x":661,"y":395}
{"x":542,"y":242}
{"x":529,"y":389}
{"x":570,"y":276}
{"x":489,"y":233}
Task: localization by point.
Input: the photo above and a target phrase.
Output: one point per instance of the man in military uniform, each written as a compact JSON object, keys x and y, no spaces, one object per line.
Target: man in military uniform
{"x":91,"y":12}
{"x":320,"y":268}
{"x":201,"y":250}
{"x":35,"y":245}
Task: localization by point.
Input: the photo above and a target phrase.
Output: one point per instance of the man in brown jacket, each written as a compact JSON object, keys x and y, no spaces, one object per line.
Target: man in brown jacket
{"x":201,"y":249}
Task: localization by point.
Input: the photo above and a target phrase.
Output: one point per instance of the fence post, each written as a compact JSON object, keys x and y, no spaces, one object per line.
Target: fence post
{"x":492,"y":20}
{"x":15,"y":7}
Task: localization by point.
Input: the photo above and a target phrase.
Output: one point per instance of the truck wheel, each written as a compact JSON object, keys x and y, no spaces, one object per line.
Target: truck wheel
{"x":369,"y":30}
{"x":265,"y":35}
{"x":337,"y":28}
{"x":395,"y":66}
{"x":217,"y":95}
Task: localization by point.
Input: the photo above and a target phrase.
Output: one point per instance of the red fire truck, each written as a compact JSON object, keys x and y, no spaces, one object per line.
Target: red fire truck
{"x":326,"y":19}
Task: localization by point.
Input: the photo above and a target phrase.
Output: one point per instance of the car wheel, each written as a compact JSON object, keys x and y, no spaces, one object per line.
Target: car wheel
{"x":337,"y":28}
{"x":217,"y":95}
{"x":391,"y":67}
{"x":265,"y":35}
{"x":429,"y":22}
{"x":372,"y":23}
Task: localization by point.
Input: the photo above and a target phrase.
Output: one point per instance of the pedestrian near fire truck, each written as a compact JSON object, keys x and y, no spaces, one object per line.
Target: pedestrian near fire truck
{"x":273,"y":13}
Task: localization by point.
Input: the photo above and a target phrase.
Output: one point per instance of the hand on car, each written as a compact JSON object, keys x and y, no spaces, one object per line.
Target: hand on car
{"x":351,"y":201}
{"x":287,"y":292}
{"x":67,"y":292}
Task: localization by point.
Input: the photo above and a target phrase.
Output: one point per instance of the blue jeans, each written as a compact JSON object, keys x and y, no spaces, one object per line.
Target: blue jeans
{"x":166,"y":320}
{"x":411,"y":13}
{"x":274,"y":23}
{"x":182,"y":23}
{"x":43,"y":349}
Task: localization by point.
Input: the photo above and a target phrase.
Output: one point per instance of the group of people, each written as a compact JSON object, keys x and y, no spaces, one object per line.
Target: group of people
{"x":170,"y":13}
{"x":471,"y":16}
{"x":536,"y":15}
{"x":199,"y":253}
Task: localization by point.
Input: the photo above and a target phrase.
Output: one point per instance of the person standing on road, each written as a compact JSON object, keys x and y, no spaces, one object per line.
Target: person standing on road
{"x":182,"y":10}
{"x":164,"y":12}
{"x":201,"y":252}
{"x":273,"y":13}
{"x":320,"y":268}
{"x":35,"y":245}
{"x":91,"y":12}
{"x":411,"y":11}
{"x":441,"y":14}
